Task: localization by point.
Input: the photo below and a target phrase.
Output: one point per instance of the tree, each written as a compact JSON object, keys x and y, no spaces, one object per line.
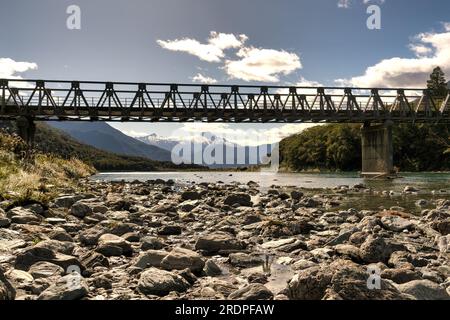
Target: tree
{"x":437,"y":83}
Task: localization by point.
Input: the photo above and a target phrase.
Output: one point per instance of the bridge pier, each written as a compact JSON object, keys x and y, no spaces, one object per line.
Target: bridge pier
{"x":377,"y":150}
{"x":26,"y":129}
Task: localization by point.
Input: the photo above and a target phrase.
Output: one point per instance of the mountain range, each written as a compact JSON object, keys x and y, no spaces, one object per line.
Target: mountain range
{"x":204,"y":143}
{"x":102,"y":136}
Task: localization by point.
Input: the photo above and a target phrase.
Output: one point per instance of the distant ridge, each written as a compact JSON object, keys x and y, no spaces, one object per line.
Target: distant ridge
{"x":104,"y":137}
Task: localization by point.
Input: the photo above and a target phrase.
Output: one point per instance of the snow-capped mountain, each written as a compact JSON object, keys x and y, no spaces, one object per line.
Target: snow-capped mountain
{"x":155,"y":140}
{"x":233,"y":155}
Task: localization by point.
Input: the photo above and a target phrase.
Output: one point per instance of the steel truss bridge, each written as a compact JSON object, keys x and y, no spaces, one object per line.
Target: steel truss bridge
{"x":162,"y":102}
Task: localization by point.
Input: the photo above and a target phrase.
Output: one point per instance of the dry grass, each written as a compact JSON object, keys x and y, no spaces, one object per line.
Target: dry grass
{"x":35,"y":178}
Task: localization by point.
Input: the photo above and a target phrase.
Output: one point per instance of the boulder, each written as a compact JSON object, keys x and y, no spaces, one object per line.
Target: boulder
{"x":7,"y":291}
{"x":212,"y":269}
{"x":424,"y":290}
{"x":89,"y":237}
{"x":94,"y":259}
{"x":277,"y":243}
{"x":4,"y":220}
{"x":241,"y":199}
{"x":190,"y":195}
{"x":69,"y":287}
{"x":342,"y":279}
{"x":160,"y":282}
{"x":253,"y":291}
{"x":401,"y":275}
{"x":181,"y":258}
{"x":376,"y":249}
{"x":150,"y":258}
{"x":29,"y":256}
{"x":218,"y":241}
{"x":169,"y":230}
{"x":80,"y":210}
{"x":57,"y":246}
{"x":66,"y":201}
{"x":111,"y":245}
{"x":309,"y":284}
{"x":244,"y":260}
{"x":296,"y":195}
{"x":395,"y":223}
{"x":45,"y":269}
{"x":153,"y":243}
{"x":21,"y":215}
{"x":60,"y":235}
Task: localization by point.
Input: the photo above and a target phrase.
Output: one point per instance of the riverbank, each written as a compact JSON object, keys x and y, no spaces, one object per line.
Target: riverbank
{"x":163,"y":240}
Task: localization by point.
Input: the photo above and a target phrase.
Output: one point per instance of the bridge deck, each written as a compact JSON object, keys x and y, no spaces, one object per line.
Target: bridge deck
{"x":107,"y":101}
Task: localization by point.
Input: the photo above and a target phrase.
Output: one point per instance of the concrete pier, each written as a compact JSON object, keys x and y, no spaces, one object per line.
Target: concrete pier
{"x":377,"y":150}
{"x":26,"y":129}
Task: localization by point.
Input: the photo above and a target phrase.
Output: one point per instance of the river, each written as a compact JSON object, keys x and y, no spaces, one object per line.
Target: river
{"x":431,"y":186}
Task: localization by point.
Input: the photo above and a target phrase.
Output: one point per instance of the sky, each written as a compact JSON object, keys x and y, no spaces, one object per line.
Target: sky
{"x":283,"y":42}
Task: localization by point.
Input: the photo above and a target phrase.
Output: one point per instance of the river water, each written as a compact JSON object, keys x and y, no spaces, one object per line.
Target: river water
{"x":426,"y":182}
{"x":431,"y":186}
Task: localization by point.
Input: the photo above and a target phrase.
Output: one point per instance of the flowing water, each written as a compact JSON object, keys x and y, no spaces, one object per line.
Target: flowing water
{"x":431,"y":186}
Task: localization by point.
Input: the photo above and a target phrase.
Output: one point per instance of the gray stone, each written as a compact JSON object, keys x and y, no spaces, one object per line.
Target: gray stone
{"x":160,"y":282}
{"x":277,"y":243}
{"x":60,"y":235}
{"x":4,"y":220}
{"x":69,"y":287}
{"x":80,"y":210}
{"x":401,"y":275}
{"x":254,"y":291}
{"x":244,"y":260}
{"x":296,"y":195}
{"x":153,"y":243}
{"x":66,"y":201}
{"x":212,"y":269}
{"x":45,"y":269}
{"x":94,"y":259}
{"x":241,"y":199}
{"x":181,"y":258}
{"x":29,"y":256}
{"x":376,"y":249}
{"x":168,"y":230}
{"x":57,"y":246}
{"x":218,"y":241}
{"x":89,"y":237}
{"x":190,"y":195}
{"x":7,"y":291}
{"x":150,"y":258}
{"x":21,"y":215}
{"x":424,"y":290}
{"x":112,"y":245}
{"x":395,"y":223}
{"x":342,"y":279}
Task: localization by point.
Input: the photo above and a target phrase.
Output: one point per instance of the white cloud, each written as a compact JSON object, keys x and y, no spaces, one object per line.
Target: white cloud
{"x":251,"y":64}
{"x":258,"y":64}
{"x":431,"y":49}
{"x":203,"y":79}
{"x":213,"y":51}
{"x":236,"y":133}
{"x":420,"y":50}
{"x":9,"y":68}
{"x":345,"y":4}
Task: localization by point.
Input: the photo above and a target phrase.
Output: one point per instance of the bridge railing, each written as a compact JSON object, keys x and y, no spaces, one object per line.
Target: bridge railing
{"x":94,"y":100}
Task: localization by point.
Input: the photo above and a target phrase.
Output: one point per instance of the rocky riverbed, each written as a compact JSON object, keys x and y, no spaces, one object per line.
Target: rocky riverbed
{"x":161,"y":240}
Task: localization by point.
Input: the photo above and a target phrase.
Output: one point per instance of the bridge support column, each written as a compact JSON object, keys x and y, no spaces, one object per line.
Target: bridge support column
{"x":377,"y":150}
{"x":26,"y":129}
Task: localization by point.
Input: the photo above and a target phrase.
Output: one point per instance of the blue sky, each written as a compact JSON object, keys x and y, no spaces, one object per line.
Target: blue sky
{"x":291,"y":42}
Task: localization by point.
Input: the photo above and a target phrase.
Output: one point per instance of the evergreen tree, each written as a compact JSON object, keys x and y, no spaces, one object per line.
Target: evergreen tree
{"x":437,"y":83}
